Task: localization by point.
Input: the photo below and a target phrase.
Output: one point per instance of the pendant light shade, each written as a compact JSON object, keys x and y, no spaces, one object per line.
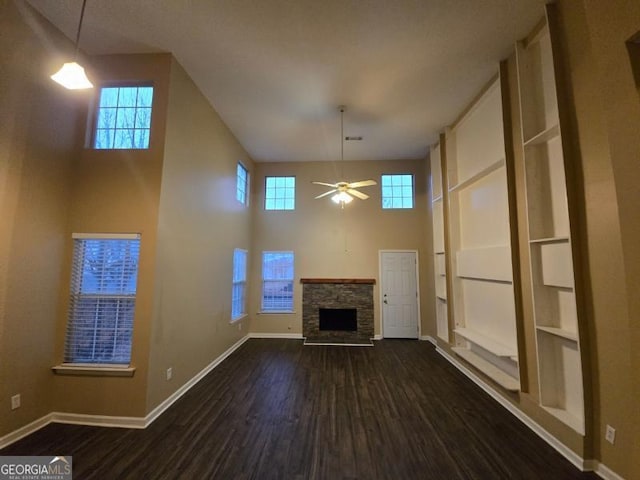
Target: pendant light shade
{"x":72,"y":75}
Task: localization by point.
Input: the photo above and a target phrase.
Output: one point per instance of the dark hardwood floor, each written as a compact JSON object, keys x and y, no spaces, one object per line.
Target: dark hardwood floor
{"x":276,"y":409}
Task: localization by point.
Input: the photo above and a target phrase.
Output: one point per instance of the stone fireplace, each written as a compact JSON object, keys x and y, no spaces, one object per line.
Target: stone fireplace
{"x":337,"y":310}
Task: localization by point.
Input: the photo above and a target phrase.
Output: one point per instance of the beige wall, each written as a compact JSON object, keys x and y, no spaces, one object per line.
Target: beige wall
{"x":200,"y":224}
{"x":39,"y":137}
{"x":329,"y":242}
{"x":118,"y":191}
{"x":606,"y":120}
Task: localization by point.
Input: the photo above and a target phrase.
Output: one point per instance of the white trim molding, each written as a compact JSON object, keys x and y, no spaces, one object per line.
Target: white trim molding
{"x":293,"y":336}
{"x":160,"y":409}
{"x":605,"y":472}
{"x":22,"y":432}
{"x":585,"y":465}
{"x":429,"y":338}
{"x":114,"y":421}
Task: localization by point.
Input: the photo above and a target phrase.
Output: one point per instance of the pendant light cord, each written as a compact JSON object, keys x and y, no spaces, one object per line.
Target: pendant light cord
{"x":84,"y":4}
{"x":341,"y":143}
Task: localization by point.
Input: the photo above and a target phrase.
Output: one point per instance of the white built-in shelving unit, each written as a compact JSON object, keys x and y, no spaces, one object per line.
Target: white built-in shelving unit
{"x":549,"y":233}
{"x":482,"y":293}
{"x":437,"y":207}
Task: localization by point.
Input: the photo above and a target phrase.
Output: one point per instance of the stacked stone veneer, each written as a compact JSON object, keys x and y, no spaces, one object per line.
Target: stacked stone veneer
{"x":345,"y":293}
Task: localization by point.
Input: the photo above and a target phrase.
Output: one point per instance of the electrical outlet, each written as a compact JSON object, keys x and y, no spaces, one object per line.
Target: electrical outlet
{"x":169,"y":373}
{"x":610,"y":434}
{"x":15,"y":402}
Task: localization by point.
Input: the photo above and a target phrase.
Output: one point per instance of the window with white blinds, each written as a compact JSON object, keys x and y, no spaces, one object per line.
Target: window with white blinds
{"x":102,"y":300}
{"x":239,"y":288}
{"x":277,"y":281}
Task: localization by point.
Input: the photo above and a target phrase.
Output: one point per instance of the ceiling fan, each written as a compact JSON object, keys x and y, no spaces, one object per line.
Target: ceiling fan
{"x":345,"y":191}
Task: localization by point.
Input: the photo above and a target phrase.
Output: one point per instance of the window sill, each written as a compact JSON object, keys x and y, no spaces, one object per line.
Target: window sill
{"x":276,"y":312}
{"x":237,"y":319}
{"x":98,"y":370}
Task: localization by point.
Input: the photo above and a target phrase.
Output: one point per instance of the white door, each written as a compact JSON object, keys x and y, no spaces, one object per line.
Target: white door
{"x":399,"y":289}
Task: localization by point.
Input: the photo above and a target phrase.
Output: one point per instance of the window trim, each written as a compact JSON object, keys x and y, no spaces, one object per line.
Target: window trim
{"x":97,"y":369}
{"x":413,"y":191}
{"x":90,"y":137}
{"x":246,"y":184}
{"x":293,"y":263}
{"x":244,"y":282}
{"x":266,"y":177}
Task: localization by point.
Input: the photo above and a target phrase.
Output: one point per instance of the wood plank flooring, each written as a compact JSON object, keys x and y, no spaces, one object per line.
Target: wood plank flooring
{"x":276,"y":409}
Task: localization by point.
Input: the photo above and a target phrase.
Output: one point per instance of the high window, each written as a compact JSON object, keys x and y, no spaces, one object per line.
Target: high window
{"x":397,"y":191}
{"x":280,"y":193}
{"x":123,"y":117}
{"x":242,"y":184}
{"x":277,"y":281}
{"x":239,"y":288}
{"x":102,"y":299}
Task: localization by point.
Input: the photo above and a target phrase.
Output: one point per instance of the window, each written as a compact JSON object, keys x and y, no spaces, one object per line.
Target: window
{"x":103,"y":295}
{"x":242,"y":185}
{"x":397,"y":191}
{"x":277,"y":281}
{"x":239,"y":289}
{"x":123,"y":118}
{"x":280,"y":193}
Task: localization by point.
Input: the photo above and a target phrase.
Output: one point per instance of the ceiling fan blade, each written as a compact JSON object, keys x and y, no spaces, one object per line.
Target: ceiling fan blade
{"x":363,"y":183}
{"x":356,"y":193}
{"x":333,"y":185}
{"x":326,"y":193}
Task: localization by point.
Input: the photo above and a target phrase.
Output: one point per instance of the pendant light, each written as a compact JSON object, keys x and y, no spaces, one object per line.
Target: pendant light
{"x":72,"y":75}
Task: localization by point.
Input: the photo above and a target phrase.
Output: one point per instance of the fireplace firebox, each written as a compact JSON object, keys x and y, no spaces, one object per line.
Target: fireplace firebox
{"x":338,"y":319}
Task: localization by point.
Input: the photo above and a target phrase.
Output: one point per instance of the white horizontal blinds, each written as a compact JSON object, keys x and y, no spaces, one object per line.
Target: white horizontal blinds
{"x":239,"y":289}
{"x":277,"y":281}
{"x":103,"y":292}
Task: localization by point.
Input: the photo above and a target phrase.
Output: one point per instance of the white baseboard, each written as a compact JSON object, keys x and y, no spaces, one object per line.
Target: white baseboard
{"x":113,"y":421}
{"x":574,"y":458}
{"x":429,"y":338}
{"x":605,"y":472}
{"x":98,"y":420}
{"x":295,"y":336}
{"x":22,"y":432}
{"x":377,"y":337}
{"x":159,"y":410}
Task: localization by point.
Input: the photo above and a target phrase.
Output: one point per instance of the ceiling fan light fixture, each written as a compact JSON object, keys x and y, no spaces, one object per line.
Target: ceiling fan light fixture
{"x":71,"y":75}
{"x":342,"y":198}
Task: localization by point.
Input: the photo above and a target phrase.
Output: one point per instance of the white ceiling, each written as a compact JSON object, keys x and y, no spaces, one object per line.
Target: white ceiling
{"x":276,"y":70}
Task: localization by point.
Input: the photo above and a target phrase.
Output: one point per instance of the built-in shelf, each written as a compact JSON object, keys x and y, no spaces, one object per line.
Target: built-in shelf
{"x":503,"y":379}
{"x":544,"y":136}
{"x":488,"y":343}
{"x":442,"y":297}
{"x":551,"y":267}
{"x":559,"y":332}
{"x":481,"y":174}
{"x":549,"y":240}
{"x":437,"y":199}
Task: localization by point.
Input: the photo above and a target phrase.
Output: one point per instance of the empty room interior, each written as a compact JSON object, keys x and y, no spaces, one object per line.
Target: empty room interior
{"x":321,"y":239}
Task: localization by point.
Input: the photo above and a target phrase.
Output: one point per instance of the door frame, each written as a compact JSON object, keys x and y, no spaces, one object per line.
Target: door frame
{"x":380,"y":295}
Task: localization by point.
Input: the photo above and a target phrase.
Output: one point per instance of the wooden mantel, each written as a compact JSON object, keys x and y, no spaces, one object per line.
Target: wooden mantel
{"x":367,"y":281}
